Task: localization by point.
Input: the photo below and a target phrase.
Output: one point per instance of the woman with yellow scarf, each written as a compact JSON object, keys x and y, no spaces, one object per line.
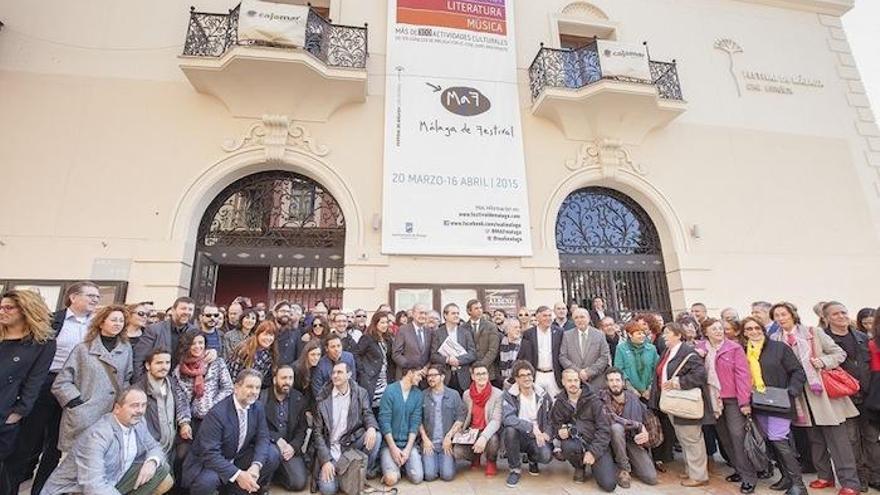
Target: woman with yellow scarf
{"x":774,"y":364}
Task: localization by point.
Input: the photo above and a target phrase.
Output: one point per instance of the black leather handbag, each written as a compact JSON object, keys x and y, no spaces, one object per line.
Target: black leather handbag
{"x":773,"y":400}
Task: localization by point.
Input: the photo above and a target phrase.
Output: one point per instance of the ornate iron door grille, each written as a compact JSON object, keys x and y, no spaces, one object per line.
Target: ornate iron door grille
{"x":278,"y":219}
{"x":608,"y":246}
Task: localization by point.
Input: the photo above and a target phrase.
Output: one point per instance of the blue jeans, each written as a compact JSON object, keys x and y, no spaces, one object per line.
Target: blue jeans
{"x":438,"y":463}
{"x":332,"y":487}
{"x":413,"y":465}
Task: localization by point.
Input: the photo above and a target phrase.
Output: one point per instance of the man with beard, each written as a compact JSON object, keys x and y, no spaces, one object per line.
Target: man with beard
{"x":115,"y":455}
{"x":161,"y":407}
{"x":629,"y":437}
{"x":165,"y":334}
{"x":285,"y":414}
{"x":289,"y":337}
{"x":580,"y":423}
{"x":231,"y":451}
{"x":209,"y":326}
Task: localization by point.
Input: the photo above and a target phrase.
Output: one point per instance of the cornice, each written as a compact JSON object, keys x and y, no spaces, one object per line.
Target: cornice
{"x":827,"y":7}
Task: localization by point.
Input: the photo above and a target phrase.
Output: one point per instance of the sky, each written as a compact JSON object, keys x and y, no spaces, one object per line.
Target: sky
{"x":862,"y":26}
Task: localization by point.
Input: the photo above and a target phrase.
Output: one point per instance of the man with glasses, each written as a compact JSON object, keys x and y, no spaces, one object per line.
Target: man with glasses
{"x":360,"y":320}
{"x":41,"y":426}
{"x":526,"y":420}
{"x":209,"y":321}
{"x":165,"y":334}
{"x":443,"y":414}
{"x":433,"y":320}
{"x":411,"y":347}
{"x":340,"y":328}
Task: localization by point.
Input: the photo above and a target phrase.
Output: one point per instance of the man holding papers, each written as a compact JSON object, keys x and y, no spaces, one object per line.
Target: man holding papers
{"x":454,"y":347}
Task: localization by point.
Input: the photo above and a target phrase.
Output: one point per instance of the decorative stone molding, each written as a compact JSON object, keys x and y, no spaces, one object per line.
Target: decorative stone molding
{"x":275,"y":134}
{"x":608,"y":155}
{"x":863,"y":118}
{"x":585,"y":10}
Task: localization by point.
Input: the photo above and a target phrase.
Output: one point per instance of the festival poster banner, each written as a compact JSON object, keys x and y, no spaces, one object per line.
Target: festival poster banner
{"x":454,"y":172}
{"x":273,"y":22}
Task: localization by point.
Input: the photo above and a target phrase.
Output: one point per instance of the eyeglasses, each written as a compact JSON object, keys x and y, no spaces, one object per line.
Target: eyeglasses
{"x":360,"y":316}
{"x":211,"y":315}
{"x":433,"y":375}
{"x":523,"y":315}
{"x":91,"y":296}
{"x":141,"y":313}
{"x":8,"y":309}
{"x":481,"y":373}
{"x":524,"y":375}
{"x":317,"y":325}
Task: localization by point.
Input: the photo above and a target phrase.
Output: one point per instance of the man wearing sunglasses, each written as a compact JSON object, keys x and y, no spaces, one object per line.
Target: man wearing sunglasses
{"x":165,"y":334}
{"x":209,"y":321}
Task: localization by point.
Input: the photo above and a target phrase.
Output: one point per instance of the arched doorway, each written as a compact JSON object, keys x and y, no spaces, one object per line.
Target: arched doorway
{"x":608,"y":246}
{"x":271,"y":236}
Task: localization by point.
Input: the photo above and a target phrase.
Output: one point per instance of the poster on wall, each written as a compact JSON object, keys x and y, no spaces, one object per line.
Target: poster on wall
{"x":507,"y":300}
{"x":454,"y":171}
{"x":271,"y":22}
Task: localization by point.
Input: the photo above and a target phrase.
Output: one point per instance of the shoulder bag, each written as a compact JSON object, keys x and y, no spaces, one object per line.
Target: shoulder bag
{"x":685,"y":404}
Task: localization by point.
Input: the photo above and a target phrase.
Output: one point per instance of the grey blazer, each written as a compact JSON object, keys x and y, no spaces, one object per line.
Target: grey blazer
{"x":405,"y":349}
{"x":596,"y":360}
{"x":96,"y":459}
{"x":488,"y":340}
{"x":466,"y":339}
{"x":84,"y":375}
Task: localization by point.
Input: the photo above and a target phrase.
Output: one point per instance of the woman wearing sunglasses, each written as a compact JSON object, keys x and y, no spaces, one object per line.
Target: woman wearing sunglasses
{"x":137,"y":322}
{"x":316,"y":330}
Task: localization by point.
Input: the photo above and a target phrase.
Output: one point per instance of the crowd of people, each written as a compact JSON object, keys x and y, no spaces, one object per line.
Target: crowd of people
{"x":232,"y":399}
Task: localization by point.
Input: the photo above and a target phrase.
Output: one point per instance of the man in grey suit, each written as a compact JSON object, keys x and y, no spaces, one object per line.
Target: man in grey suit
{"x":488,"y":340}
{"x":585,"y":349}
{"x":458,"y":367}
{"x":411,"y":347}
{"x":115,"y":455}
{"x":165,"y":334}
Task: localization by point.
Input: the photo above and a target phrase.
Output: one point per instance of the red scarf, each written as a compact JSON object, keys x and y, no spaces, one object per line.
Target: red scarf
{"x":478,"y":416}
{"x":196,"y":369}
{"x":660,"y":366}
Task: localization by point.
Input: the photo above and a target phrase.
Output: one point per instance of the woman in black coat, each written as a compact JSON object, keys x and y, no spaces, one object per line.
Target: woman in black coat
{"x":780,"y":368}
{"x":375,"y":368}
{"x":691,"y":375}
{"x":26,"y":351}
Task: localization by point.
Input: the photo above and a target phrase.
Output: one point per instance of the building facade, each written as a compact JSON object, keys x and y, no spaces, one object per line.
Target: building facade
{"x":145,"y":147}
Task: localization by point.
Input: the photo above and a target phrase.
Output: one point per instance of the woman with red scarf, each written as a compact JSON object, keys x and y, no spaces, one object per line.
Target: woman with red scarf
{"x":483,"y":404}
{"x":199,"y":385}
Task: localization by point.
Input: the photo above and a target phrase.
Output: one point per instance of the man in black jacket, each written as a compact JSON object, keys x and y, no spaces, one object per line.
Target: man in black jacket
{"x":580,"y":423}
{"x":862,"y":433}
{"x":285,"y":415}
{"x":165,"y":334}
{"x":629,"y":436}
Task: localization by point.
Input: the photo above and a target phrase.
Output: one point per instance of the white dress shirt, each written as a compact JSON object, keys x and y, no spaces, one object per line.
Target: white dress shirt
{"x":72,"y":332}
{"x":545,"y":349}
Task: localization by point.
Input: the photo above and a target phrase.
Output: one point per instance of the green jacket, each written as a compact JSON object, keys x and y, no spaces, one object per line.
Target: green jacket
{"x":638,"y":366}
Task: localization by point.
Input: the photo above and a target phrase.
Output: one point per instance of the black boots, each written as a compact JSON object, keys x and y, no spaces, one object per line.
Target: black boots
{"x":792,"y":481}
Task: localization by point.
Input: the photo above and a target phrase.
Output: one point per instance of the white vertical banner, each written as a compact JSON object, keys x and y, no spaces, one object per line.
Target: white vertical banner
{"x":454,"y":174}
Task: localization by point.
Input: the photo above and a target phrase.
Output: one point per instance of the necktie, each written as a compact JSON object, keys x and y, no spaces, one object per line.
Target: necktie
{"x":583,"y":344}
{"x":421,"y":339}
{"x":242,"y":428}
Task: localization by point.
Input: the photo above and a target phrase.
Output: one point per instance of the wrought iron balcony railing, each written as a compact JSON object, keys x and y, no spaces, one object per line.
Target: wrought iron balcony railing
{"x":577,"y":68}
{"x":211,"y":35}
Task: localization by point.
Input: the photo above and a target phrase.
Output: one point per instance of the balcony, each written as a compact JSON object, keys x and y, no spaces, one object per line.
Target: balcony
{"x":569,"y":89}
{"x":253,"y":78}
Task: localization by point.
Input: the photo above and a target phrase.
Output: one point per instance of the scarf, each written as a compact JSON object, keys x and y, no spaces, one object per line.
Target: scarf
{"x":478,"y":416}
{"x":712,"y":378}
{"x":801,"y":341}
{"x":196,"y":369}
{"x":753,"y":354}
{"x":642,"y":380}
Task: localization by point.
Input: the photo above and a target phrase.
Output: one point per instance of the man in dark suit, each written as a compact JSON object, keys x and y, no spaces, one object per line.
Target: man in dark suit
{"x":411,"y":347}
{"x":231,"y":451}
{"x":487,"y":338}
{"x":458,"y":369}
{"x":598,"y":311}
{"x":285,"y":414}
{"x":541,"y":348}
{"x":165,"y":334}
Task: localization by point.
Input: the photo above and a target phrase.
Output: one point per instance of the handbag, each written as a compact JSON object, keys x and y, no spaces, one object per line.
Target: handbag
{"x":755,"y":447}
{"x":685,"y":404}
{"x":654,"y":429}
{"x":772,"y":400}
{"x":837,"y":382}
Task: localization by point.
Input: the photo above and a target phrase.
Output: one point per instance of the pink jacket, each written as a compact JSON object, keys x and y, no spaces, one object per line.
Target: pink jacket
{"x":733,"y":372}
